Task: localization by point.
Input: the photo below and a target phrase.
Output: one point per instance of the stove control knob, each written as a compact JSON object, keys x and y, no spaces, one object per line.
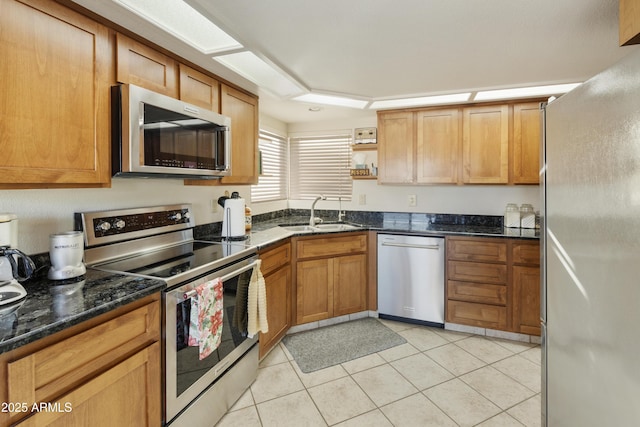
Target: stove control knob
{"x":176,"y":216}
{"x":187,"y":214}
{"x":103,"y":226}
{"x":119,"y":224}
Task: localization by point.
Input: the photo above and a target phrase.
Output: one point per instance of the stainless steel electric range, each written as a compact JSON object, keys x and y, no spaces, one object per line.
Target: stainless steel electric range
{"x":157,"y":242}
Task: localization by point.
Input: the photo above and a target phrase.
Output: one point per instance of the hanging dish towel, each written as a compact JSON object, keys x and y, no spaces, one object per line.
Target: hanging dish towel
{"x":205,"y":329}
{"x":257,"y":303}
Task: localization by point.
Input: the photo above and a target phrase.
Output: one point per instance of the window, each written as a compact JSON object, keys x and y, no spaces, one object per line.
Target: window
{"x":272,"y":182}
{"x":320,"y":165}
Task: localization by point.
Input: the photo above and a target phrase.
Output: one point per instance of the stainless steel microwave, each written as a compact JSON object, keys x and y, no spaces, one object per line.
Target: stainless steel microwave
{"x":154,"y":135}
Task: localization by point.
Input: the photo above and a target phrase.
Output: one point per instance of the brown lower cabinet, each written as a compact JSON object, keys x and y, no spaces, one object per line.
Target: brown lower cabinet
{"x":331,"y":276}
{"x":276,"y":269}
{"x":494,"y":283}
{"x":90,"y":373}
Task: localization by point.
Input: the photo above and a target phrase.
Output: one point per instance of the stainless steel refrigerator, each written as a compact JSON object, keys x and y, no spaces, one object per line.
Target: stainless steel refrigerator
{"x":591,"y":252}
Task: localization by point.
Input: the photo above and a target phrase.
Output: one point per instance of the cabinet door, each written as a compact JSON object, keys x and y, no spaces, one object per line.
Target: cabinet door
{"x":143,"y":66}
{"x":314,"y":290}
{"x":243,"y":110}
{"x":527,"y":137}
{"x":199,"y":89}
{"x":129,"y":394}
{"x":485,"y":145}
{"x":54,"y":102}
{"x":437,"y":146}
{"x":278,"y":288}
{"x":526,"y":300}
{"x":396,"y":136}
{"x":349,"y":284}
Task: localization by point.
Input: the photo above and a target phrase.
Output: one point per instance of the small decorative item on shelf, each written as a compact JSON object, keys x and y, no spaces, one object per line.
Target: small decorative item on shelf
{"x":360,"y":172}
{"x":365,"y":136}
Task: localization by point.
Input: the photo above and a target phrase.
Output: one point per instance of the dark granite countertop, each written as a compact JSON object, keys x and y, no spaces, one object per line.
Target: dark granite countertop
{"x":267,"y":231}
{"x":51,"y":306}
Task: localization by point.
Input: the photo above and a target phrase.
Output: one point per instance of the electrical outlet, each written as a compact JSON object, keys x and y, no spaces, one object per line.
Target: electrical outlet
{"x":413,"y":200}
{"x":362,"y":199}
{"x":214,"y":206}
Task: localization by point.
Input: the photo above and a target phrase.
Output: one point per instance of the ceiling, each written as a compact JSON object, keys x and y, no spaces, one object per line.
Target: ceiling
{"x":385,"y":49}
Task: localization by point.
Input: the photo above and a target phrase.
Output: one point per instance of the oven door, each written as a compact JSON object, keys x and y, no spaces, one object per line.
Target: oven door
{"x":187,"y":376}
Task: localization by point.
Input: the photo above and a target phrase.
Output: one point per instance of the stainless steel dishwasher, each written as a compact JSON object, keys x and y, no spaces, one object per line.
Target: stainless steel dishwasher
{"x":411,"y":278}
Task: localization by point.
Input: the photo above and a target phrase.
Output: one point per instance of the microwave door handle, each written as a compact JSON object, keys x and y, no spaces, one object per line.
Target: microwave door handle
{"x":226,"y":277}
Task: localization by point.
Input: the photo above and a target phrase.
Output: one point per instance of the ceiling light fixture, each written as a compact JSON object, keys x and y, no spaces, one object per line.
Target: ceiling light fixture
{"x":419,"y":101}
{"x":265,"y":75}
{"x":524,"y":92}
{"x":178,"y":18}
{"x":339,"y":101}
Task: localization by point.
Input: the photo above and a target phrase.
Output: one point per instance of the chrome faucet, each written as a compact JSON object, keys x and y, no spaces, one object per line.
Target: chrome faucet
{"x":341,"y":213}
{"x":312,"y":219}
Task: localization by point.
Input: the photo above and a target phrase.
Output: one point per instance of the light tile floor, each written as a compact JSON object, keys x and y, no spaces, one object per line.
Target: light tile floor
{"x":439,"y":378}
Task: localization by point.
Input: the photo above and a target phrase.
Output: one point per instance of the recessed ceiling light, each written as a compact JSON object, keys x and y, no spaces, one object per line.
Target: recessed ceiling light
{"x":419,"y":101}
{"x":331,"y":100}
{"x":523,"y":92}
{"x":265,"y":75}
{"x":178,"y":18}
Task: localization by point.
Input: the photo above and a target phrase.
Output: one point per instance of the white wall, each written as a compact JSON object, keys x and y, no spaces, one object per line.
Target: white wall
{"x":43,"y":212}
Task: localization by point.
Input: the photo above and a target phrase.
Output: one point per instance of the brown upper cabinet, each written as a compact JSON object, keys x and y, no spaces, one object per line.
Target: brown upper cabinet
{"x":437,"y":146}
{"x":143,"y":66}
{"x":396,"y":147}
{"x":54,"y":101}
{"x":199,"y":89}
{"x":485,"y":145}
{"x":478,"y":144}
{"x":527,"y":134}
{"x":629,"y":30}
{"x":243,"y":110}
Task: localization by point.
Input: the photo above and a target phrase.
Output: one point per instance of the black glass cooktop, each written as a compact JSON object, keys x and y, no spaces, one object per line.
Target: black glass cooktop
{"x":178,"y":259}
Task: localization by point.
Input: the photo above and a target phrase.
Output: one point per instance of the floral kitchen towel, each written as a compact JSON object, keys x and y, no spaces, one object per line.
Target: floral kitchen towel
{"x":205,"y":329}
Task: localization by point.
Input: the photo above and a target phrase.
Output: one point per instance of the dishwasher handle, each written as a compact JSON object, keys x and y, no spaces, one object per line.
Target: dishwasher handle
{"x":410,"y":245}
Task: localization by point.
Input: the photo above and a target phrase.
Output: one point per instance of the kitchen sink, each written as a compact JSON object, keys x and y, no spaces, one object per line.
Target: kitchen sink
{"x":336,"y":227}
{"x":330,"y":227}
{"x":299,"y":228}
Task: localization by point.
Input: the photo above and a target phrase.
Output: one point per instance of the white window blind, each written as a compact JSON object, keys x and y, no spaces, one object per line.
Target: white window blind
{"x":320,"y":165}
{"x":273,"y":179}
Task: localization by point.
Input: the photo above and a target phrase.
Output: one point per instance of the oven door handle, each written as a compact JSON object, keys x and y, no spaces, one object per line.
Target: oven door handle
{"x":226,"y":277}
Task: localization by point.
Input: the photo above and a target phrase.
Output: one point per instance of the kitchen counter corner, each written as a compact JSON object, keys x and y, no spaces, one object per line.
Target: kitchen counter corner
{"x":52,"y":306}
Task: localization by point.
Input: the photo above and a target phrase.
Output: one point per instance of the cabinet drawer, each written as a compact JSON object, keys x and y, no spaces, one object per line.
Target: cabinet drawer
{"x":474,"y":314}
{"x":526,"y":253}
{"x":476,"y":250}
{"x":45,"y":374}
{"x":273,"y":259}
{"x":477,"y":292}
{"x":329,"y":246}
{"x":477,"y":272}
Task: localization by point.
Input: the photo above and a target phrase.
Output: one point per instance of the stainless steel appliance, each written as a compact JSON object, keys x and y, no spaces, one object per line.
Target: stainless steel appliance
{"x":158,"y":136}
{"x":158,"y":243}
{"x":411,"y":278}
{"x":14,"y":265}
{"x":591,"y":248}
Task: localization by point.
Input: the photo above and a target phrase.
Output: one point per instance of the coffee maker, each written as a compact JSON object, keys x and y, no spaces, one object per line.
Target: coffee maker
{"x":15,"y":266}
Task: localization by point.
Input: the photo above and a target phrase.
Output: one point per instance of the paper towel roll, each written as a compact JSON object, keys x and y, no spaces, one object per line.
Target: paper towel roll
{"x":233,"y":220}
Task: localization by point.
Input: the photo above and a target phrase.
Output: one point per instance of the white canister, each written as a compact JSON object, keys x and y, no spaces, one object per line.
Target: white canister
{"x":512,"y":216}
{"x":527,"y":216}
